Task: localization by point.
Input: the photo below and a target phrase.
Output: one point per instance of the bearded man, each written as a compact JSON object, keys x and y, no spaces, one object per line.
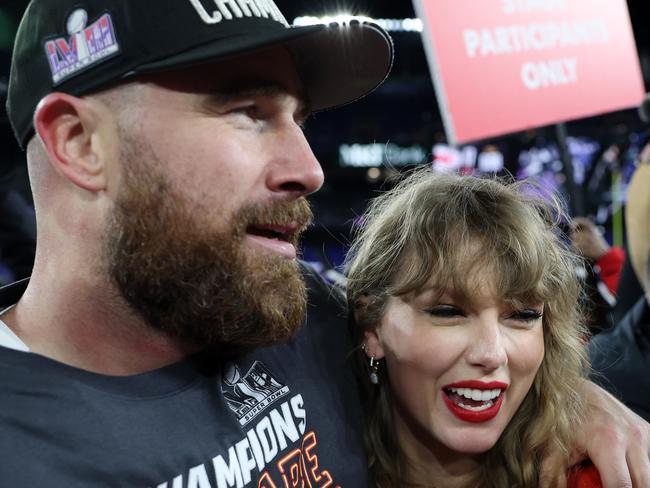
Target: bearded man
{"x":158,"y":341}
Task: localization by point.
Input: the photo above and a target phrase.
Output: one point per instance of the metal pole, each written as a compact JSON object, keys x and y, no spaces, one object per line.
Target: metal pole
{"x":576,"y":200}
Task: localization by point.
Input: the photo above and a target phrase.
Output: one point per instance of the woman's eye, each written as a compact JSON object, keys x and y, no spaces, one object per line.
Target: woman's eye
{"x":528,"y":315}
{"x":444,"y":311}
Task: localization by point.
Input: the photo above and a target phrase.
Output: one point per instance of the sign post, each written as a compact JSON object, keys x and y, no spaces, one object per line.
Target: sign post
{"x":576,"y":202}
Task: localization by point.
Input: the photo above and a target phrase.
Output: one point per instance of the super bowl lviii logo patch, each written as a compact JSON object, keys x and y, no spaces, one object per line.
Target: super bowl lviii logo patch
{"x":251,"y":394}
{"x":86,"y":45}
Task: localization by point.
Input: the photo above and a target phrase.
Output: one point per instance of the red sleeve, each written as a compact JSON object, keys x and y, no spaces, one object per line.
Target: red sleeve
{"x":611,"y":265}
{"x":584,"y":476}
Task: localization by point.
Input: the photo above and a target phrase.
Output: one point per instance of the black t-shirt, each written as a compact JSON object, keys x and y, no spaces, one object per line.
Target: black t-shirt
{"x":620,"y":359}
{"x":282,"y":416}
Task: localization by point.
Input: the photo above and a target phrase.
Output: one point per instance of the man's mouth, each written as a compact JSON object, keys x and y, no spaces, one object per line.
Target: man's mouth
{"x":277,"y":239}
{"x":285,"y":233}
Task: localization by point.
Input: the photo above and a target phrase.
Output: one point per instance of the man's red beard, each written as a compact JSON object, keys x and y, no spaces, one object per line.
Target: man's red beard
{"x":194,"y":282}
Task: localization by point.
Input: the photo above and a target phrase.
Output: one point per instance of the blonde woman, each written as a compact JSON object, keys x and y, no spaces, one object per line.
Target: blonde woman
{"x":466,"y":307}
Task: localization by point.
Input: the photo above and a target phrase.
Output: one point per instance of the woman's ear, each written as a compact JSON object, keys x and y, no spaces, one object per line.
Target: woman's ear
{"x":67,"y":125}
{"x":373,"y":344}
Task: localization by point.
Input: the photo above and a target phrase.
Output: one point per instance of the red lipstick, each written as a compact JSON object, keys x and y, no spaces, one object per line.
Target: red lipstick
{"x":478,"y":385}
{"x":474,"y":416}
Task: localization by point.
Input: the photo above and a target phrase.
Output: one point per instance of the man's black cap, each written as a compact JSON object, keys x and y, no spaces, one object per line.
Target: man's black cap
{"x":80,"y":46}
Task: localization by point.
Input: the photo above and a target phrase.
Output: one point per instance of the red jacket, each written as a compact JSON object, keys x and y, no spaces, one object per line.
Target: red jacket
{"x":584,"y":475}
{"x":610,"y":266}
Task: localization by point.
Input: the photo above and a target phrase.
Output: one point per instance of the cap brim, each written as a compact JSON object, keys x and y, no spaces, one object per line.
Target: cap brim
{"x":338,"y":64}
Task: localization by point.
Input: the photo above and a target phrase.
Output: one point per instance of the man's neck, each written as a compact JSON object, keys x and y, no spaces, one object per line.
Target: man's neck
{"x":89,"y":326}
{"x":7,"y":337}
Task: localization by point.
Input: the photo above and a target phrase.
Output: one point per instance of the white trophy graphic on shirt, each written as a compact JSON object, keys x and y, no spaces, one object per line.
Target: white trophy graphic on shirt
{"x":250,"y":394}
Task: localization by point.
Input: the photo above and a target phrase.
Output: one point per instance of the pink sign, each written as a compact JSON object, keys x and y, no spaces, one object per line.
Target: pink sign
{"x":502,"y":66}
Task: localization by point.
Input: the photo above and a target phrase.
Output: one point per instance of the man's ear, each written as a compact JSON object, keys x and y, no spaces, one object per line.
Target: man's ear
{"x":67,"y":126}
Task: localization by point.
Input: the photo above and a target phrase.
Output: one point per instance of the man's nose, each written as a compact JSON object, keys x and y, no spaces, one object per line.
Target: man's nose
{"x":294,"y":167}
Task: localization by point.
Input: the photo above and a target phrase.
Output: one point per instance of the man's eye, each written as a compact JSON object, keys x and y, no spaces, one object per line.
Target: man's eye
{"x":252,"y":111}
{"x":528,"y":315}
{"x":444,"y":311}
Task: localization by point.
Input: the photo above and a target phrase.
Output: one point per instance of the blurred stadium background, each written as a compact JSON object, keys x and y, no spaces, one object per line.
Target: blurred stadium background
{"x":399,"y":127}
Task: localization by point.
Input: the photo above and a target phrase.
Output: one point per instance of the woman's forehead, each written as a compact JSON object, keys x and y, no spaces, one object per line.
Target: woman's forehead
{"x":472,"y":276}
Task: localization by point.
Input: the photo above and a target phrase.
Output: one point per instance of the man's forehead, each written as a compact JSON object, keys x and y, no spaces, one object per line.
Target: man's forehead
{"x":250,"y":86}
{"x":256,"y":87}
{"x":218,"y":91}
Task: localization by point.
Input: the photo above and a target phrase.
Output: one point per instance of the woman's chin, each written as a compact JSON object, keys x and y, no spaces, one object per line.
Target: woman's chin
{"x":476,"y":443}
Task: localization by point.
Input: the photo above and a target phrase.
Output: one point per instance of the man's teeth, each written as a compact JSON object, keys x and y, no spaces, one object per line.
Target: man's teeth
{"x":477,"y":395}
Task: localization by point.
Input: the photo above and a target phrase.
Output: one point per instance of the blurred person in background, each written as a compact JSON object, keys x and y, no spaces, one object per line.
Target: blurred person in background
{"x":629,"y":290}
{"x":17,"y":220}
{"x":601,"y":273}
{"x":621,"y":356}
{"x":17,"y":233}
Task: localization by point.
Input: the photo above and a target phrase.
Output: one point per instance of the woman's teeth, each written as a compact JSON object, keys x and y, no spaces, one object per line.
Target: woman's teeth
{"x":477,"y":395}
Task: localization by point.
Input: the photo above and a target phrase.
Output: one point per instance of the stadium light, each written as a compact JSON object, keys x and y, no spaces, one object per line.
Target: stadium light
{"x":391,"y":25}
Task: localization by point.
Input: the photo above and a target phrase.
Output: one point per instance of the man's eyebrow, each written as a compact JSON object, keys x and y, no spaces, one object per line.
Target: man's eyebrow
{"x":238,"y":90}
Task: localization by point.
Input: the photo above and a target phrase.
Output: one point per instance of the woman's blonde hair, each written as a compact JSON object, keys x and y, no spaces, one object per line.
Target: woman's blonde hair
{"x":442,"y":228}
